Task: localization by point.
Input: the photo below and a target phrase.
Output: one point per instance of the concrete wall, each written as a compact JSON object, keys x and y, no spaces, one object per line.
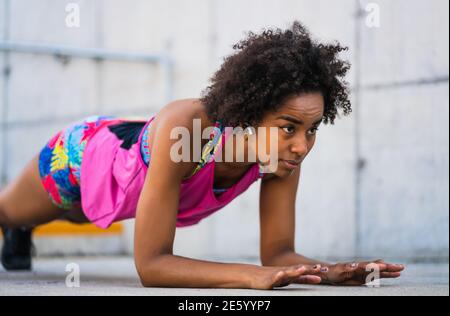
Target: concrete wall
{"x":376,"y":184}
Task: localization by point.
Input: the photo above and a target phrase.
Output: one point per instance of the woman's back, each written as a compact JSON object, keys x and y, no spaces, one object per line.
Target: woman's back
{"x":115,"y":164}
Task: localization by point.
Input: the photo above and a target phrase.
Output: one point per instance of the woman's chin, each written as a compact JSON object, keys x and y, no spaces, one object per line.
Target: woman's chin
{"x":279,"y":170}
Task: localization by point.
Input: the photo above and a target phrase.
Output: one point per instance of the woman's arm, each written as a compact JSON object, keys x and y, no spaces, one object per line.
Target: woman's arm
{"x":155,"y":228}
{"x":277,"y":220}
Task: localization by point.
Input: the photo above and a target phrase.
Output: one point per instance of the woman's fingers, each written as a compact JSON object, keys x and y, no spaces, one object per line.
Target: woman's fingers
{"x":295,"y":271}
{"x":286,"y":276}
{"x":303,"y":270}
{"x":309,"y":279}
{"x":390,"y":267}
{"x":310,"y":276}
{"x":384,"y":266}
{"x":385,"y":270}
{"x":312,"y":269}
{"x":297,"y":274}
{"x":369,"y":267}
{"x":390,"y":274}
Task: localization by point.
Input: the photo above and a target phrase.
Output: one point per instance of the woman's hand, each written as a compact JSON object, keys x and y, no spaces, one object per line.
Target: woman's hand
{"x":359,"y":273}
{"x":266,"y":278}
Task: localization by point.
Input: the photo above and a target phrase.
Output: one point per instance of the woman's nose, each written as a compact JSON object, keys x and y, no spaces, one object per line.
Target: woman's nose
{"x":300,"y":148}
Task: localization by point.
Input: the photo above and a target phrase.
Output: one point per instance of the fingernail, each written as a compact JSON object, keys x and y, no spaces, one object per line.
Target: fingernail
{"x":353,"y":265}
{"x":324,"y":269}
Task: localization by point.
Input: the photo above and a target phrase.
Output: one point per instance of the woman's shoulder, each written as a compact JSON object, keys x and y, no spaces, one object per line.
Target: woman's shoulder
{"x":183,"y":112}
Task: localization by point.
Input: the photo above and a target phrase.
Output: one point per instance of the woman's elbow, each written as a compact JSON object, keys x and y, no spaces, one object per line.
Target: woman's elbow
{"x":152,"y":270}
{"x":147,"y":272}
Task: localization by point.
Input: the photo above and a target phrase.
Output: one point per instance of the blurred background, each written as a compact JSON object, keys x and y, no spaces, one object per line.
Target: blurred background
{"x":375,"y":185}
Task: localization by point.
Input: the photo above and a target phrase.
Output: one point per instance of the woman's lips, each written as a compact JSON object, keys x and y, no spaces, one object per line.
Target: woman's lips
{"x":291,"y":164}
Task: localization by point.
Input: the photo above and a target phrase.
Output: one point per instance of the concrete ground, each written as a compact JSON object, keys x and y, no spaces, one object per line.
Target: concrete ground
{"x":117,"y":276}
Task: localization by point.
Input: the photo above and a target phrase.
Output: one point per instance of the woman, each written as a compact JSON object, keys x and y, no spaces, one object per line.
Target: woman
{"x":106,"y":169}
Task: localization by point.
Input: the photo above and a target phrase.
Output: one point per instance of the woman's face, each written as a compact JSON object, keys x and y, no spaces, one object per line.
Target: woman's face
{"x":296,"y":124}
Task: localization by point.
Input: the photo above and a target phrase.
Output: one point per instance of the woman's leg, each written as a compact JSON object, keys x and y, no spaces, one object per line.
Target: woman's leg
{"x":25,"y":202}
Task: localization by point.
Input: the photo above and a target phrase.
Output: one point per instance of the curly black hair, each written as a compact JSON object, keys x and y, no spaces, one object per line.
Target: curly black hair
{"x":270,"y":67}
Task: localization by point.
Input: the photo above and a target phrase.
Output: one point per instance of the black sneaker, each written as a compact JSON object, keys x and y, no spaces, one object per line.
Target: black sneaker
{"x":17,"y":249}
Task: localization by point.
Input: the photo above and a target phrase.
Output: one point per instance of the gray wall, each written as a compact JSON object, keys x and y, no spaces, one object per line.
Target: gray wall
{"x":376,"y":184}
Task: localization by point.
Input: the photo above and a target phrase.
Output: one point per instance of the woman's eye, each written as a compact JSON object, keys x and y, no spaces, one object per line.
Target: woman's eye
{"x":313,"y":130}
{"x":286,"y":129}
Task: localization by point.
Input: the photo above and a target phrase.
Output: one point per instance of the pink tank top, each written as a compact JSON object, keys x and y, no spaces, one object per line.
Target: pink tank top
{"x":112,"y":179}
